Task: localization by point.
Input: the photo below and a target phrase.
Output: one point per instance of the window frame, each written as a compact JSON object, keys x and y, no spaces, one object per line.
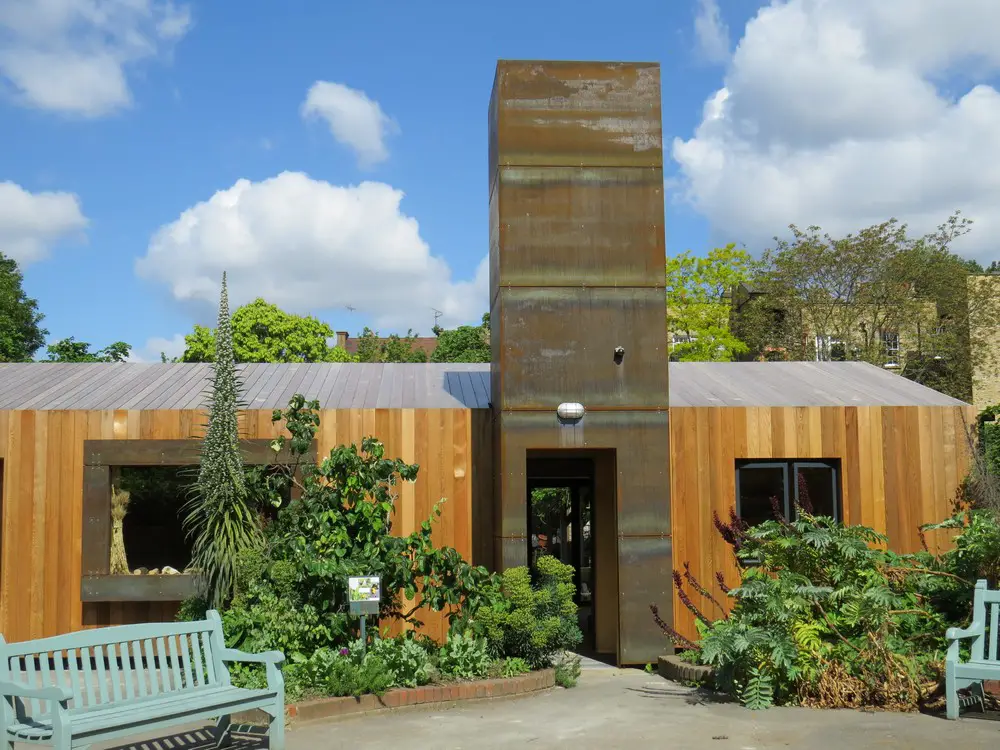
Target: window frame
{"x":790,"y":468}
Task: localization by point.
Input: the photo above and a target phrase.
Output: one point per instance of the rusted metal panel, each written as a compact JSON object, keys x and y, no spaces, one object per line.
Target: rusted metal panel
{"x":576,"y":114}
{"x":644,"y":578}
{"x":572,"y":227}
{"x":559,"y":344}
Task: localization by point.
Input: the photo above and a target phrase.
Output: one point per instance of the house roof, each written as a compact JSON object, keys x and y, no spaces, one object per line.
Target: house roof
{"x":44,"y":386}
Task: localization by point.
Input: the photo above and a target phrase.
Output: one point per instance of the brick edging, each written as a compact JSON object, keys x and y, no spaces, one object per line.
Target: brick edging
{"x":674,"y":668}
{"x":328,"y":708}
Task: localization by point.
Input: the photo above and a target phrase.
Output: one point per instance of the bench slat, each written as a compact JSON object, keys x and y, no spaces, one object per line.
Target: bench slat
{"x":102,"y":676}
{"x":186,"y":661}
{"x":114,"y":672}
{"x":151,"y":670}
{"x":104,"y":636}
{"x":199,"y":665}
{"x":206,"y":648}
{"x":141,"y":690}
{"x":31,"y":679}
{"x":89,"y":679}
{"x":175,"y":663}
{"x":161,"y":652}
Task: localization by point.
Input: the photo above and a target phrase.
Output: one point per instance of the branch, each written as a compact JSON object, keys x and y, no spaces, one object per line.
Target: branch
{"x":834,"y":627}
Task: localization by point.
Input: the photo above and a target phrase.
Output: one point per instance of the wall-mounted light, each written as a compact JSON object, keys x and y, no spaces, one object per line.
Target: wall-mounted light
{"x":570,"y":411}
{"x":619,"y":354}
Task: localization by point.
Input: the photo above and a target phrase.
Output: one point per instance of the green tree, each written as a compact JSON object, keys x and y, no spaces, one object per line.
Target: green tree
{"x":263,"y":332}
{"x":464,"y":344}
{"x":395,"y":348}
{"x":220,"y":516}
{"x":698,"y":310}
{"x":70,"y":350}
{"x":21,"y":333}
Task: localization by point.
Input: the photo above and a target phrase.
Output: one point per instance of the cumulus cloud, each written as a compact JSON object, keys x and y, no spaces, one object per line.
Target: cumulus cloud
{"x":845,"y":114}
{"x":72,"y":56}
{"x":354,"y":120}
{"x":711,"y":31}
{"x":157,"y":345}
{"x":307,"y":245}
{"x":31,"y":223}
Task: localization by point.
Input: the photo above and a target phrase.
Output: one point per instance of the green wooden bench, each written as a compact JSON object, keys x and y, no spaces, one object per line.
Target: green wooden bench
{"x":77,"y":689}
{"x":983,"y":663}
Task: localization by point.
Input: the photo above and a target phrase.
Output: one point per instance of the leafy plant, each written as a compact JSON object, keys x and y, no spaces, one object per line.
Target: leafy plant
{"x":406,"y":660}
{"x":464,"y":656}
{"x":335,"y":673}
{"x":531,"y":622}
{"x":220,"y":519}
{"x":511,"y":667}
{"x":567,"y":670}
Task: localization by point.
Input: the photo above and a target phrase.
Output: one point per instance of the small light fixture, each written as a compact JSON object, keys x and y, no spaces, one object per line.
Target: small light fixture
{"x":619,"y":354}
{"x":570,"y":411}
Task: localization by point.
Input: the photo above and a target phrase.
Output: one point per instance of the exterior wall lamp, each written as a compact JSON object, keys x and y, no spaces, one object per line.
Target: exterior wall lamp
{"x":570,"y":412}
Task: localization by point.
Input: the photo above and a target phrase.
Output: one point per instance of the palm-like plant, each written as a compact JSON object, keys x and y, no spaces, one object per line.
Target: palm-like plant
{"x":220,"y":517}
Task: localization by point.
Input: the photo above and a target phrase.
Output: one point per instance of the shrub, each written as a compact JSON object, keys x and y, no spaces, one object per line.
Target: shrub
{"x":509,"y":667}
{"x":332,"y":672}
{"x":407,"y":661}
{"x":567,"y":670}
{"x":464,"y":656}
{"x":531,"y":622}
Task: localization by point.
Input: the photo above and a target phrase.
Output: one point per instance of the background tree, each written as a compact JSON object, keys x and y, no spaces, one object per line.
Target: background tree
{"x":220,"y":519}
{"x":394,"y":348}
{"x":464,"y":344}
{"x":70,"y":350}
{"x":21,"y":333}
{"x":696,"y":304}
{"x":263,"y":332}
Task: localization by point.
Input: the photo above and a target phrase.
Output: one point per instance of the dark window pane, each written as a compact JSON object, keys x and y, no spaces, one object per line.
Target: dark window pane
{"x":817,"y":490}
{"x":758,"y":487}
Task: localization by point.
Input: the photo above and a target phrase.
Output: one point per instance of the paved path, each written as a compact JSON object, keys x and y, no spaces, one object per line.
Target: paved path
{"x":629,"y":709}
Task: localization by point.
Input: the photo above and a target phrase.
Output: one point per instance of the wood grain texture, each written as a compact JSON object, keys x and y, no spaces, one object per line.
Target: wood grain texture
{"x":900,"y":468}
{"x":46,"y":545}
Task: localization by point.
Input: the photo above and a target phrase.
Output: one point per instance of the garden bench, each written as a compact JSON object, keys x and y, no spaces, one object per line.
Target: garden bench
{"x":983,"y":663}
{"x":73,"y":690}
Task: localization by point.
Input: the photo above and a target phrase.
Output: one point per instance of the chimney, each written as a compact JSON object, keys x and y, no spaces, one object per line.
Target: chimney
{"x":342,"y":339}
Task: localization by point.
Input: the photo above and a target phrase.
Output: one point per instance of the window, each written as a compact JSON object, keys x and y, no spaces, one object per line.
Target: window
{"x":830,"y":349}
{"x":890,"y":347}
{"x":762,"y":485}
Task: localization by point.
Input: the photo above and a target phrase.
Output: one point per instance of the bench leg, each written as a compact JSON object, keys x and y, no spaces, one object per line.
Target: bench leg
{"x":223,"y":732}
{"x":951,"y":691}
{"x":276,"y":730}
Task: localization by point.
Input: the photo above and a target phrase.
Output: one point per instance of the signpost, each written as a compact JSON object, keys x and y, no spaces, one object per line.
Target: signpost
{"x":365,"y":593}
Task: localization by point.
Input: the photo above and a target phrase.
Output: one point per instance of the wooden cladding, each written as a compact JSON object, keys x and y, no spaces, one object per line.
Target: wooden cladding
{"x":46,"y":470}
{"x":900,"y":468}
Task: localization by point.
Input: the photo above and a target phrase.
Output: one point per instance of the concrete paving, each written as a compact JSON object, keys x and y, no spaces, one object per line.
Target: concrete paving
{"x":613,"y":708}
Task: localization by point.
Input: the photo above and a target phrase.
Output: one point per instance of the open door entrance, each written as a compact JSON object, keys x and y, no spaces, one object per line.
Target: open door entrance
{"x":571,"y":517}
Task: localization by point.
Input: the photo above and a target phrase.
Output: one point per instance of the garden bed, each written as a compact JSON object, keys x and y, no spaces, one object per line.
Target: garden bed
{"x":673,"y":667}
{"x":427,"y":695}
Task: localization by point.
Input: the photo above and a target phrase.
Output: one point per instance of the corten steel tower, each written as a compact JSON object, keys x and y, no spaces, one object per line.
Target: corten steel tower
{"x":578,"y":313}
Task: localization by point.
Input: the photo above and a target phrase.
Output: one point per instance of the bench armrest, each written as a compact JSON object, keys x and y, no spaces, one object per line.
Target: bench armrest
{"x":58,"y":693}
{"x":974,"y":630}
{"x":267,"y":657}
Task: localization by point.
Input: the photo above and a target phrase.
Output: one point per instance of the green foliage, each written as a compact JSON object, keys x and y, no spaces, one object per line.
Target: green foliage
{"x":697,"y":307}
{"x":69,"y":350}
{"x":464,"y":656}
{"x":341,"y":526}
{"x":219,"y":517}
{"x":332,"y":672}
{"x":531,"y":622}
{"x":464,"y":344}
{"x":262,"y":332}
{"x":372,"y":348}
{"x":567,"y":670}
{"x":21,"y":332}
{"x":511,"y":667}
{"x":406,"y":660}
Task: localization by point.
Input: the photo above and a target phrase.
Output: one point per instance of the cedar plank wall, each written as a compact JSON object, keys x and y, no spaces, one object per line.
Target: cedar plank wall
{"x":900,"y":468}
{"x":43,"y":495}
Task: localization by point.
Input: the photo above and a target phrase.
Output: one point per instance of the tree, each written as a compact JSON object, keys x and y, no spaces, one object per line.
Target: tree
{"x":697,"y":310}
{"x":21,"y":334}
{"x":263,"y":332}
{"x":70,"y":350}
{"x":220,"y":517}
{"x":373,"y":348}
{"x":464,"y":344}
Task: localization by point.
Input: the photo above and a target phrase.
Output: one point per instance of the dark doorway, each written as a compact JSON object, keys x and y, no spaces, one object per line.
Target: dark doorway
{"x":561,"y":524}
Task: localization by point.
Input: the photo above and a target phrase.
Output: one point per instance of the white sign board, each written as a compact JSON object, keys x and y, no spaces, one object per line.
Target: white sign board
{"x":364,"y":589}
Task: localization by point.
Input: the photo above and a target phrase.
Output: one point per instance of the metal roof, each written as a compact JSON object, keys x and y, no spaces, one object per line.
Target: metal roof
{"x":438,"y":386}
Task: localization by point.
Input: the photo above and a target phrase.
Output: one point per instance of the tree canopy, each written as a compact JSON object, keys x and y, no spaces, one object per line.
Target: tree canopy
{"x":697,"y":313}
{"x":21,"y":333}
{"x":71,"y":350}
{"x":394,"y":348}
{"x":464,"y":344}
{"x":263,"y":332}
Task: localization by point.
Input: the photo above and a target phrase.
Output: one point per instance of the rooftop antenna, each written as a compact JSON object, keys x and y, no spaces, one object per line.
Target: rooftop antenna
{"x":350,"y":308}
{"x":437,"y":315}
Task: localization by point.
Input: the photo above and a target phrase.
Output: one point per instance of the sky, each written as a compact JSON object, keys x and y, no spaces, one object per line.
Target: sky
{"x":332,"y":157}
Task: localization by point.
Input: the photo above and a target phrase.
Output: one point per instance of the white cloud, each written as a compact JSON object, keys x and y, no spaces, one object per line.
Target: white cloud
{"x":837,"y":114}
{"x":157,"y":345}
{"x":31,"y":223}
{"x":72,"y":56}
{"x":711,"y":31}
{"x":307,"y":245}
{"x":355,"y":120}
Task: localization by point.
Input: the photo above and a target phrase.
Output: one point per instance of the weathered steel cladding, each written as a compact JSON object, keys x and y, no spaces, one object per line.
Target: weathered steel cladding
{"x":575,"y":114}
{"x":640,"y":440}
{"x":566,"y":226}
{"x":558,"y":345}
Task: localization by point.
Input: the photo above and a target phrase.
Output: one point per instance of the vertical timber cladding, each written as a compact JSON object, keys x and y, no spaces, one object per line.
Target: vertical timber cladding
{"x":576,"y":270}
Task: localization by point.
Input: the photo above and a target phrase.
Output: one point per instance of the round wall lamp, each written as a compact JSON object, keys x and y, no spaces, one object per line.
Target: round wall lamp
{"x":570,"y":411}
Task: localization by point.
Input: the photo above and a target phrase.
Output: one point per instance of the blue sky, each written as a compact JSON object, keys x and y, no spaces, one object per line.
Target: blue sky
{"x":213,"y":93}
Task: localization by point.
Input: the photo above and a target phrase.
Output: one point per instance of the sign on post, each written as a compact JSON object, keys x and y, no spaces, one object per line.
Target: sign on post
{"x":365,"y":593}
